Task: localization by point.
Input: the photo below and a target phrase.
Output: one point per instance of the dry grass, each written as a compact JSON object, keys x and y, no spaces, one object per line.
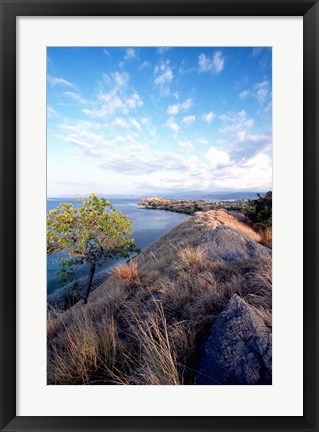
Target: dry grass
{"x":191,"y":258}
{"x":266,"y":238}
{"x":151,"y":334}
{"x":127,"y":272}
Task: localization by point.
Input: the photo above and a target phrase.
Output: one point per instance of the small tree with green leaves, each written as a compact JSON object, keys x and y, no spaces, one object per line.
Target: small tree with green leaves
{"x":92,"y":233}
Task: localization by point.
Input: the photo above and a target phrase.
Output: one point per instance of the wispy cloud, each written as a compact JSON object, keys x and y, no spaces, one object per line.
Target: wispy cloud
{"x":257,"y":51}
{"x":76,"y":97}
{"x":215,"y":64}
{"x":162,"y":50}
{"x":110,"y":103}
{"x":118,"y":100}
{"x":144,"y":65}
{"x":130,"y":54}
{"x":244,"y":93}
{"x":59,"y":81}
{"x":209,"y":117}
{"x":121,"y":79}
{"x":135,"y":123}
{"x":163,"y":76}
{"x":51,"y":112}
{"x":262,"y":91}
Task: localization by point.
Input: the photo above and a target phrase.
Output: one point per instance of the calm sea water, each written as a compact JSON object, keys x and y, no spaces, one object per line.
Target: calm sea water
{"x":148,"y":225}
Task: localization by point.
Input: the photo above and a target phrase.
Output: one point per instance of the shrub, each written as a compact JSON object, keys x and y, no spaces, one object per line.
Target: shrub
{"x":259,"y":211}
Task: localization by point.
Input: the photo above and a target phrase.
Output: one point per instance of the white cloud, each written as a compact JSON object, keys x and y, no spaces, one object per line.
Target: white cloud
{"x":257,"y":51}
{"x":254,"y":174}
{"x":244,"y":93}
{"x":120,"y":121}
{"x":130,"y":54}
{"x":75,"y":96}
{"x":135,"y":123}
{"x":209,"y":117}
{"x":59,"y":81}
{"x":162,"y":50}
{"x":203,"y":141}
{"x":268,"y":108}
{"x":145,"y":64}
{"x":214,"y":65}
{"x":171,"y":124}
{"x":121,"y":79}
{"x":262,"y":91}
{"x":235,"y":122}
{"x":218,"y":62}
{"x":51,"y":112}
{"x":189,"y":119}
{"x":204,"y":63}
{"x":163,"y":76}
{"x":187,"y":104}
{"x":84,"y":135}
{"x":242,"y":141}
{"x":145,"y":167}
{"x":110,"y":103}
{"x":133,"y":101}
{"x":174,"y":109}
{"x":185,"y":145}
{"x":217,"y":157}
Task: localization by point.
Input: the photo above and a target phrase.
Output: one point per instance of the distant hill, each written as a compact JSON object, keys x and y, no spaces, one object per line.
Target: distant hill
{"x":214,"y":196}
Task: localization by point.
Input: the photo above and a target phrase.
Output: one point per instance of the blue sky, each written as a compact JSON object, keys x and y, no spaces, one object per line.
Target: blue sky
{"x":144,"y":121}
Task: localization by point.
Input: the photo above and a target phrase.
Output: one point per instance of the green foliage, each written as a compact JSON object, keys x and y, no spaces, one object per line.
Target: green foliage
{"x":197,"y":207}
{"x":259,"y":211}
{"x":92,"y":233}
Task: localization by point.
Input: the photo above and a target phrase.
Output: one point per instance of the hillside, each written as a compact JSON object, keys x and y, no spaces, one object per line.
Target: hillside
{"x":152,"y":319}
{"x":190,"y":206}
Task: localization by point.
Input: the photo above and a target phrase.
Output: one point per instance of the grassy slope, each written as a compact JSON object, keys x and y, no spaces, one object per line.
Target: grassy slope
{"x":145,"y":323}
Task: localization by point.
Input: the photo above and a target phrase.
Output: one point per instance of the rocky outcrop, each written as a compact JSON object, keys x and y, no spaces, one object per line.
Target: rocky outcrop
{"x":190,"y":207}
{"x":238,"y":349}
{"x":226,"y":244}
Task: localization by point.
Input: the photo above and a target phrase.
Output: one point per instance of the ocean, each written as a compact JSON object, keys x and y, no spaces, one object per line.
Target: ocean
{"x":148,"y":225}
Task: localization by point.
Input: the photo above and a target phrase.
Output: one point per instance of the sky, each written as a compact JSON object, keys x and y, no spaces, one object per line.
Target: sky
{"x":141,"y":121}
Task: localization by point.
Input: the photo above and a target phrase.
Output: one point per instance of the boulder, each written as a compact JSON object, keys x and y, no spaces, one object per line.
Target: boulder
{"x":238,"y":349}
{"x":226,"y":244}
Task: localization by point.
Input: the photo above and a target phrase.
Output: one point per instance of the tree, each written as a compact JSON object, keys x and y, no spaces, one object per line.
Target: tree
{"x":259,"y":211}
{"x":91,"y":233}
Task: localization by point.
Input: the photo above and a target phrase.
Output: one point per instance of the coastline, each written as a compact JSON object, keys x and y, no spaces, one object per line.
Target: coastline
{"x":191,"y":207}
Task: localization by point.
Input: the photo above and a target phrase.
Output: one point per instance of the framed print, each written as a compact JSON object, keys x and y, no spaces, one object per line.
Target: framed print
{"x":148,"y":151}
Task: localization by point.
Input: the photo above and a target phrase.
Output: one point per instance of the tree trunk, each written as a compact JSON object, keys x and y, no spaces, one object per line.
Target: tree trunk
{"x":87,"y":287}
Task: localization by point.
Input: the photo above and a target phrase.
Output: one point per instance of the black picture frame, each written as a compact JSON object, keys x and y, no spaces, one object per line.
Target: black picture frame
{"x":10,"y":9}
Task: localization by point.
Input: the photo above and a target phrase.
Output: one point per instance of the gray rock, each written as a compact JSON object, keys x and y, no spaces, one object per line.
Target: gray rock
{"x":238,"y":349}
{"x":225,"y":244}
